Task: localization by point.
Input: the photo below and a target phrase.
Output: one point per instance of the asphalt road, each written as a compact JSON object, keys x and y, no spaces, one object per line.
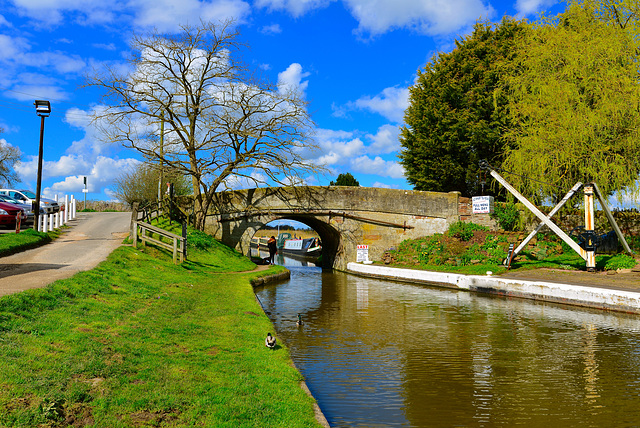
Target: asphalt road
{"x":92,"y":237}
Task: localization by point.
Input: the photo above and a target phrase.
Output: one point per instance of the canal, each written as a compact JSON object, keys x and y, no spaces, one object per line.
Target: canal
{"x":385,"y":354}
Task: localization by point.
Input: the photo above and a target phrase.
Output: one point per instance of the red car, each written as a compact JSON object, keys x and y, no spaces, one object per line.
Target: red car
{"x":8,"y":214}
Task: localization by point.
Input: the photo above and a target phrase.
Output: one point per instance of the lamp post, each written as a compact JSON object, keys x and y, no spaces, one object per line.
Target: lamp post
{"x":43,"y":109}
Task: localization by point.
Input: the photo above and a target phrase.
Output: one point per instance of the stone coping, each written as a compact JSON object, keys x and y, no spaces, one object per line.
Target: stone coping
{"x":578,"y":295}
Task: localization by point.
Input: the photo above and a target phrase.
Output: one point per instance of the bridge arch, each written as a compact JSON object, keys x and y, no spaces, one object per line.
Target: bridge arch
{"x":342,"y":216}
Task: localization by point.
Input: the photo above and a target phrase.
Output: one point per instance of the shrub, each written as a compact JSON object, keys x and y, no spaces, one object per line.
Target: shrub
{"x":620,"y":261}
{"x":507,"y":215}
{"x":464,"y":231}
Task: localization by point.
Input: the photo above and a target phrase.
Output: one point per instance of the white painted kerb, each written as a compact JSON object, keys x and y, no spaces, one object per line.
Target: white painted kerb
{"x":603,"y":298}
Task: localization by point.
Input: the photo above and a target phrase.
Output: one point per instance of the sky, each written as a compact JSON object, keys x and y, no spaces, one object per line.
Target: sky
{"x":353,"y":60}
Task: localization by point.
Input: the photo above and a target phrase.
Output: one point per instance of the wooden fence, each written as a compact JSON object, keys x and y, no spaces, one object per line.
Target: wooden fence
{"x":147,"y":231}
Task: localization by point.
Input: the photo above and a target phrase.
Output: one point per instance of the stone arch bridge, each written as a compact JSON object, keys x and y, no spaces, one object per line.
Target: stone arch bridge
{"x":344,"y":217}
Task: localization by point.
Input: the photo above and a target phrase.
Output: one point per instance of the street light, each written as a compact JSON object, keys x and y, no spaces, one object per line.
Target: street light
{"x":43,"y":109}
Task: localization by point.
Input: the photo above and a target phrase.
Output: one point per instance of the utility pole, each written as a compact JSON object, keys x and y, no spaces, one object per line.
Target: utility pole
{"x":161,"y":180}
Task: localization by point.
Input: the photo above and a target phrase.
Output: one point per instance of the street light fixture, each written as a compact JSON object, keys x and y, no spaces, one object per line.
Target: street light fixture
{"x":43,"y":109}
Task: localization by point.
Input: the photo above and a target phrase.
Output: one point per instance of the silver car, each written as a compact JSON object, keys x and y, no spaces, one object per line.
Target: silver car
{"x":48,"y":206}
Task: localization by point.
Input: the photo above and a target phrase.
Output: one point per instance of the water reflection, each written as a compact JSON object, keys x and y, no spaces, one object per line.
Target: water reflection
{"x":377,"y":353}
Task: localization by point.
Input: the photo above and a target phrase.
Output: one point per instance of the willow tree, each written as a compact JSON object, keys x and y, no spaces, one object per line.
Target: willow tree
{"x":188,"y":103}
{"x":574,"y":105}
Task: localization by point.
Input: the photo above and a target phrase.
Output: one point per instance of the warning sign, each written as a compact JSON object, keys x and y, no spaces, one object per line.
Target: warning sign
{"x":363,"y":253}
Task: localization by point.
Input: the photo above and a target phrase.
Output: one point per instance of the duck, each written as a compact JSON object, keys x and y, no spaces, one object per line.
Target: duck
{"x":299,"y":323}
{"x":270,"y":341}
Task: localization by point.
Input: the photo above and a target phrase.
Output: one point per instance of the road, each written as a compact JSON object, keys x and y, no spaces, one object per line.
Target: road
{"x":92,"y":237}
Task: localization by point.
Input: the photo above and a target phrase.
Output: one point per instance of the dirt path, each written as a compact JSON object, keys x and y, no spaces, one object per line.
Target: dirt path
{"x":92,"y":237}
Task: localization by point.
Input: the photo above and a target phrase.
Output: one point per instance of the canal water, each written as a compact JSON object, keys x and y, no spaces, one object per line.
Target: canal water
{"x":385,"y":354}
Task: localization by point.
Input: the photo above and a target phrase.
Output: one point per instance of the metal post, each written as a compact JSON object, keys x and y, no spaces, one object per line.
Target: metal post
{"x":589,"y":226}
{"x":36,"y":209}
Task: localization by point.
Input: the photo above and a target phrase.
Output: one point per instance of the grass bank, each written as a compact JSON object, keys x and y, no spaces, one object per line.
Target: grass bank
{"x":139,"y":341}
{"x":467,"y":248}
{"x":12,"y":243}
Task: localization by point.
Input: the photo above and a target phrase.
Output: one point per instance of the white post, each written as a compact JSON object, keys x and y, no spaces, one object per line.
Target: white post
{"x":73,"y":207}
{"x":44,"y":223}
{"x":50,"y":222}
{"x":61,"y":221}
{"x":66,"y":208}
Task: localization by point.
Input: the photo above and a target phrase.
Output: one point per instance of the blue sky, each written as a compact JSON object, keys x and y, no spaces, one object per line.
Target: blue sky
{"x":353,"y":59}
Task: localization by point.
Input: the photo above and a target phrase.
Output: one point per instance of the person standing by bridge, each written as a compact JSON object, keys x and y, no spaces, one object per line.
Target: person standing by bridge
{"x":273,"y":248}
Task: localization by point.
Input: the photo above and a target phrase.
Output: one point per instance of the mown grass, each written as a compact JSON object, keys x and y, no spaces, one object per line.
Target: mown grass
{"x":11,"y":243}
{"x":139,"y":341}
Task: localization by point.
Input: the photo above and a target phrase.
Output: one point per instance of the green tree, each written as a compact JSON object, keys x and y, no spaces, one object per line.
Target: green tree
{"x":574,"y":106}
{"x":345,"y":179}
{"x":456,"y":114}
{"x":221,"y":124}
{"x":140,"y":184}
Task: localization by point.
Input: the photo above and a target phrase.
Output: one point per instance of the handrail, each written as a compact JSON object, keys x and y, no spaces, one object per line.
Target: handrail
{"x":178,"y":245}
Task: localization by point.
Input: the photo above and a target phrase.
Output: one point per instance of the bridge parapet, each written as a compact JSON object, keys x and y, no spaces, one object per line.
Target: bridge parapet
{"x":337,"y":198}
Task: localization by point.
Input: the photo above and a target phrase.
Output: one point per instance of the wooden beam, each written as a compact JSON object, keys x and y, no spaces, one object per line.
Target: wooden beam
{"x":555,"y":209}
{"x":570,"y":242}
{"x":612,"y":221}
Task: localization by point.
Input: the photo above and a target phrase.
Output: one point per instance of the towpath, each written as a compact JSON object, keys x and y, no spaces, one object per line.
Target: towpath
{"x":92,"y":237}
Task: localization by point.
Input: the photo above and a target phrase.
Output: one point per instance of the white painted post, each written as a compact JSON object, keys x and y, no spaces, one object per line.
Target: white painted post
{"x":50,"y":222}
{"x":66,"y":208}
{"x":73,"y":207}
{"x":44,"y":223}
{"x":589,"y":225}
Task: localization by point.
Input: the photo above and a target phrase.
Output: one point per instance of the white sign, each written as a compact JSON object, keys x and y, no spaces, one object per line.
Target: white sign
{"x":85,"y":190}
{"x":482,"y":204}
{"x":363,"y":254}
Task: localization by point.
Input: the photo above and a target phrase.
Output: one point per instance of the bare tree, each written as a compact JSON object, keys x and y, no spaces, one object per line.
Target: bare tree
{"x":9,"y":155}
{"x":219,"y":122}
{"x":140,"y":184}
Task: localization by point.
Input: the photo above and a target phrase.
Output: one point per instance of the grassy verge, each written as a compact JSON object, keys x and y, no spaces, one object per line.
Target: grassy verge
{"x":11,"y":243}
{"x":139,"y":341}
{"x":471,"y":249}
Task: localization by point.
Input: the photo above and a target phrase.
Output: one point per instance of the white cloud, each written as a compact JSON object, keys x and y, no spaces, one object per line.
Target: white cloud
{"x":296,"y":8}
{"x":291,"y":79}
{"x":100,"y":175}
{"x":271,"y":29}
{"x":432,"y":17}
{"x":390,"y":103}
{"x":531,"y":7}
{"x":337,"y":147}
{"x":385,"y":186}
{"x":377,"y":166}
{"x":385,"y":140}
{"x":168,"y":15}
{"x":165,"y":15}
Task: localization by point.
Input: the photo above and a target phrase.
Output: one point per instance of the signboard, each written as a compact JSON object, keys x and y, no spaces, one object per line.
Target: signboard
{"x":482,"y":204}
{"x":363,"y":254}
{"x":85,"y":190}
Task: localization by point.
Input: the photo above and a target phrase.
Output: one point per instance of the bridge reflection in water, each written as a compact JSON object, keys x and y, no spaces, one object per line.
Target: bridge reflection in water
{"x":377,"y":353}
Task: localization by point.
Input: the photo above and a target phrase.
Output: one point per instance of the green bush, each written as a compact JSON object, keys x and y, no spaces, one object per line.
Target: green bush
{"x":620,"y":261}
{"x":507,"y":215}
{"x":464,"y":231}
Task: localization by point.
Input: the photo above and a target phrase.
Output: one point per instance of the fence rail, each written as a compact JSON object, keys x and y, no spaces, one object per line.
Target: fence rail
{"x":178,"y":243}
